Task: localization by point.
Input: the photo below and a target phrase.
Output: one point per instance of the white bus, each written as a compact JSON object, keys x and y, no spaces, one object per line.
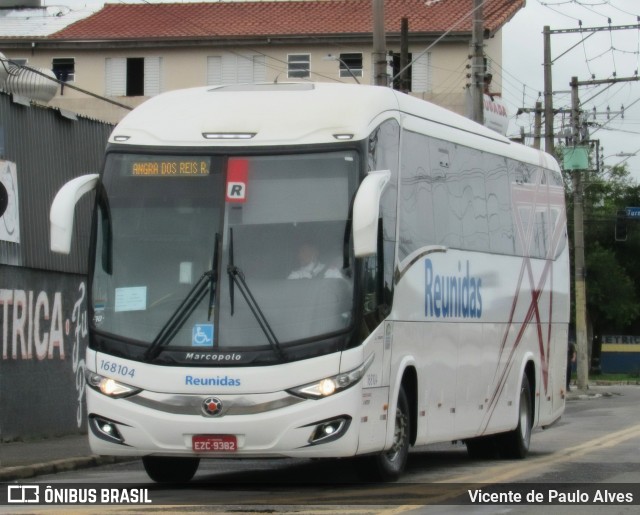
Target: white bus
{"x":315,"y":270}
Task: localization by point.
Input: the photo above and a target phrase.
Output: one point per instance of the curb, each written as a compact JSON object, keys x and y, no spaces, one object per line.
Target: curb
{"x":581,"y":396}
{"x":56,"y":466}
{"x":590,"y":393}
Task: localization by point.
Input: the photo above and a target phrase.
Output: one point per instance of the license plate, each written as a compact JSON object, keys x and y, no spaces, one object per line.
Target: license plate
{"x":214,"y":443}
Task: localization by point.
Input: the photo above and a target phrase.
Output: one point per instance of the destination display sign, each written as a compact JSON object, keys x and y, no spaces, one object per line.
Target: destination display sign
{"x":167,"y":166}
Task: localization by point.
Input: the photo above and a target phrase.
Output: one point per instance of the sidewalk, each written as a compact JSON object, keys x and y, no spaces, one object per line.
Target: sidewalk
{"x":24,"y":460}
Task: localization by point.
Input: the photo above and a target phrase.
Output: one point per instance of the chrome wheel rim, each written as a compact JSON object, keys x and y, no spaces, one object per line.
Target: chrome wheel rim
{"x":400,"y":435}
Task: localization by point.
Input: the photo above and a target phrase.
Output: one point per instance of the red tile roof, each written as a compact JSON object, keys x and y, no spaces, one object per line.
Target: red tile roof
{"x":280,"y":18}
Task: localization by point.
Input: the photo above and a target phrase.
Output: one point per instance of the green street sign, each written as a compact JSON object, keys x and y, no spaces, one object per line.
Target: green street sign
{"x":576,"y":158}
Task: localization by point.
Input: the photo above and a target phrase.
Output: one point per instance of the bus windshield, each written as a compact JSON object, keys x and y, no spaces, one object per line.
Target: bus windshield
{"x":216,"y":254}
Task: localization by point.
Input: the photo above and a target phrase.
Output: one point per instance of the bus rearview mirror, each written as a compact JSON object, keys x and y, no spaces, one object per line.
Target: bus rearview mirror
{"x":63,"y":208}
{"x":366,"y":211}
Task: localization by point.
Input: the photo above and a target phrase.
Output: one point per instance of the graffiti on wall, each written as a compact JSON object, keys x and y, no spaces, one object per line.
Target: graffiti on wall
{"x":45,"y":325}
{"x":9,"y":212}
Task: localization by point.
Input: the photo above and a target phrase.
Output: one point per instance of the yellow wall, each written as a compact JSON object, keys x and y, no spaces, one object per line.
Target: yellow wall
{"x":187,"y":67}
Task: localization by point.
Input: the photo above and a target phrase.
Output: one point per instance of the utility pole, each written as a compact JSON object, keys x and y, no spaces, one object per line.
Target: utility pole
{"x":578,"y":232}
{"x":548,"y":88}
{"x":578,"y":213}
{"x":477,"y":63}
{"x":403,"y":80}
{"x":578,"y":249}
{"x":537,"y":126}
{"x":380,"y":76}
{"x":548,"y":93}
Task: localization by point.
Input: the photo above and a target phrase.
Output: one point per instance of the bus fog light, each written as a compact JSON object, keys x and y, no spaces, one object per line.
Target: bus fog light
{"x":105,"y":429}
{"x":329,"y":430}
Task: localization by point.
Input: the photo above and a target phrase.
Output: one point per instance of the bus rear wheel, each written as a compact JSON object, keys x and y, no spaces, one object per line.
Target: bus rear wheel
{"x":170,"y":470}
{"x":515,"y":444}
{"x":389,"y":465}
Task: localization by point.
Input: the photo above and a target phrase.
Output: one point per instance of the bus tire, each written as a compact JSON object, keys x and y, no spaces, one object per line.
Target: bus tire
{"x":515,"y":444}
{"x":389,"y":465}
{"x":169,"y":469}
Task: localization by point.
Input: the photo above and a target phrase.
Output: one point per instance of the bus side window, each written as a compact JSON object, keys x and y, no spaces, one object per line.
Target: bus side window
{"x":374,"y":303}
{"x":370,"y":288}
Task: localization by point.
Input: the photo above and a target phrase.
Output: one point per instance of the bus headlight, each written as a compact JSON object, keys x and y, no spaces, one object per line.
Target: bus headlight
{"x":334,"y":384}
{"x":110,"y":387}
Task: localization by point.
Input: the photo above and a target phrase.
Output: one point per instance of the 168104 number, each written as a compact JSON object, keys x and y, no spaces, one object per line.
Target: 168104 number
{"x":116,"y":368}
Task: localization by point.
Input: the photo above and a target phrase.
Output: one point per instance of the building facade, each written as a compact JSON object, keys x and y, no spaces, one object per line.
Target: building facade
{"x":130,"y":52}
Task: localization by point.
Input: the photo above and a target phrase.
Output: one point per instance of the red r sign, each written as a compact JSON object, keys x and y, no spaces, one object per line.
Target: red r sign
{"x":237,"y":174}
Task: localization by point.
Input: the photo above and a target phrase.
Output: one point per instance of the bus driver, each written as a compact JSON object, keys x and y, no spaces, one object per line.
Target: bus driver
{"x":310,"y":266}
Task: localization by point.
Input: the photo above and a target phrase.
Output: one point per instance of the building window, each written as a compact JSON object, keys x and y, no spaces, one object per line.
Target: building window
{"x":406,"y":87}
{"x":64,"y":68}
{"x":235,"y":69}
{"x":351,"y":65}
{"x":133,"y":76}
{"x":419,"y":74}
{"x":298,"y":66}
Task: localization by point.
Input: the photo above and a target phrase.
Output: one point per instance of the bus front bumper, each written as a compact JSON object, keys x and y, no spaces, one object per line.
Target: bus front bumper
{"x":260,"y":425}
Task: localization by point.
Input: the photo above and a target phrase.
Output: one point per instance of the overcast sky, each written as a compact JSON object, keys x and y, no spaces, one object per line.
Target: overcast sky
{"x":603,"y":54}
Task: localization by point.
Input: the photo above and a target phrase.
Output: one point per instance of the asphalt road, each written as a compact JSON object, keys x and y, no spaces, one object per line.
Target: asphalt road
{"x":595,"y":447}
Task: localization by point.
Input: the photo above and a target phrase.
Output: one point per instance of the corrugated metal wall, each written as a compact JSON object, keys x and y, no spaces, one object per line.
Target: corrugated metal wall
{"x":49,"y":149}
{"x":43,"y":299}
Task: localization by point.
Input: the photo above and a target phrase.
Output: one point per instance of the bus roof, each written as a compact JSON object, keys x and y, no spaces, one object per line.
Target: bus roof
{"x":295,"y":114}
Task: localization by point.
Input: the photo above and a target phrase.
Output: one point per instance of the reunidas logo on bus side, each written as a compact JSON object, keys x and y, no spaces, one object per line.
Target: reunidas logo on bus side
{"x":452,"y":296}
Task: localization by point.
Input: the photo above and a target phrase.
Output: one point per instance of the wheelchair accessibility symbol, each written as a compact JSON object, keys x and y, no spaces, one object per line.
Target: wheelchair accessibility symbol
{"x":202,"y":335}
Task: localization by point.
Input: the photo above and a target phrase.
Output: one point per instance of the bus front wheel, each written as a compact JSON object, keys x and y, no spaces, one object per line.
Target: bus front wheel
{"x":389,"y":465}
{"x":170,"y":470}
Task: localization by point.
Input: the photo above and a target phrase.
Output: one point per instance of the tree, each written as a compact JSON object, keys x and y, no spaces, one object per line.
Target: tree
{"x":611,"y":290}
{"x":613,"y":277}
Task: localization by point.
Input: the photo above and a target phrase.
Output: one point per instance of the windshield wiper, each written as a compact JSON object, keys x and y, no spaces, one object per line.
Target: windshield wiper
{"x":236,"y":278}
{"x":192,"y":300}
{"x":213,"y":282}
